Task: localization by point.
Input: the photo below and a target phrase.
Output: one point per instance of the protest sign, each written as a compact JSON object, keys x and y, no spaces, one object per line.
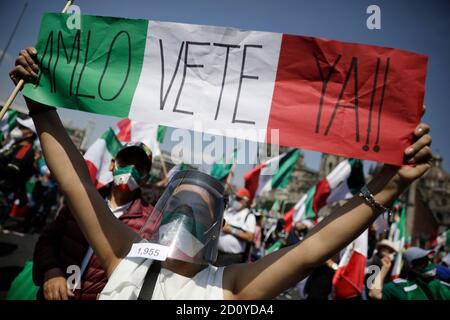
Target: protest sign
{"x":355,"y":100}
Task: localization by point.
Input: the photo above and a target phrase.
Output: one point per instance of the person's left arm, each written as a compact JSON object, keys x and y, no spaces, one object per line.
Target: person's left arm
{"x":276,"y":272}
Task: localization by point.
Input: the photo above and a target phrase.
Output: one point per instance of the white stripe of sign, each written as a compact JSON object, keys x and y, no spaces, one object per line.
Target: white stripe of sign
{"x":192,"y":89}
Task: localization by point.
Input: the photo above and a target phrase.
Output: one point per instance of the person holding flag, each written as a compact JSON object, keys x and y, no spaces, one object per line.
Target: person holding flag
{"x":190,"y":216}
{"x":16,"y":167}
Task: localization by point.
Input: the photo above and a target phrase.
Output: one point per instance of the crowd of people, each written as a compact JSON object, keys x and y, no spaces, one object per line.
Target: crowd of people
{"x":217,"y":245}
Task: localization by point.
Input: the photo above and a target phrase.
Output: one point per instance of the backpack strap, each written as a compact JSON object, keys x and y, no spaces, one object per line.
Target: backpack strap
{"x":148,"y":286}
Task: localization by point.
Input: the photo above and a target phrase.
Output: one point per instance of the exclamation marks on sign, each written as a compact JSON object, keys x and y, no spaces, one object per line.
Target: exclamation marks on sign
{"x":376,"y":147}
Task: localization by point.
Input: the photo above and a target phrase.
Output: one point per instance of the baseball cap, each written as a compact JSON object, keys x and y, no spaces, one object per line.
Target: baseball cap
{"x":146,"y":151}
{"x":415,"y":253}
{"x":243,"y":193}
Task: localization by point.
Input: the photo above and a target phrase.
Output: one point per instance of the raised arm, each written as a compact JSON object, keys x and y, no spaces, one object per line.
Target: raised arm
{"x":273,"y":274}
{"x":109,"y":238}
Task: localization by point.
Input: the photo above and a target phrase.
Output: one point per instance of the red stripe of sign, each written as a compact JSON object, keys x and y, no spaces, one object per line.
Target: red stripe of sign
{"x":299,"y":93}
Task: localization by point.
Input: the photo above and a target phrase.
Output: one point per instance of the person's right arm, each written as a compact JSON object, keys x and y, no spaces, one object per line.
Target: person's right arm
{"x":109,"y":238}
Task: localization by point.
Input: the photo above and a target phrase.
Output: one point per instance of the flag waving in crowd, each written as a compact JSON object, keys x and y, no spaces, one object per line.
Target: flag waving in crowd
{"x":98,"y":156}
{"x":341,"y":183}
{"x":7,"y":124}
{"x":272,"y":174}
{"x":348,"y":281}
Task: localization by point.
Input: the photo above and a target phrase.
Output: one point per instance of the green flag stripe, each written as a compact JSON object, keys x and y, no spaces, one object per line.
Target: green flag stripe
{"x":220,"y":171}
{"x":287,"y":164}
{"x":12,"y":119}
{"x":309,"y":212}
{"x":161,"y":133}
{"x":113,"y":144}
{"x":402,"y":223}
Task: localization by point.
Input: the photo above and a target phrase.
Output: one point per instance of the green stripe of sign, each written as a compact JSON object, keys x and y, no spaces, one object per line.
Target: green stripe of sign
{"x":95,"y":68}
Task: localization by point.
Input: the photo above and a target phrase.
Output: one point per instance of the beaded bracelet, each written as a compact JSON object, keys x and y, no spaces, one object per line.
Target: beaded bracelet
{"x":369,"y":199}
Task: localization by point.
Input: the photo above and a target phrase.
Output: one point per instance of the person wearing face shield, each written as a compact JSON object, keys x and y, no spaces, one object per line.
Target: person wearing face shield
{"x":420,"y":283}
{"x":16,"y":165}
{"x":237,"y":234}
{"x":62,"y":243}
{"x":183,"y":229}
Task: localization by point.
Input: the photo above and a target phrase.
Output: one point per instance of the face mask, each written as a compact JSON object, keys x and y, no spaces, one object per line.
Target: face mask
{"x":127,"y":178}
{"x":237,"y":205}
{"x":427,"y":272}
{"x":16,"y":134}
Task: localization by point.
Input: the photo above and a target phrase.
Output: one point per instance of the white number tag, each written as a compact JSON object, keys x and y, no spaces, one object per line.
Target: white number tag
{"x":149,"y":251}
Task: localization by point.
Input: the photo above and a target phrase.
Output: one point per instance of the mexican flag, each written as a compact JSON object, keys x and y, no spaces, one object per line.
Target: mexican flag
{"x":210,"y":79}
{"x":272,"y":174}
{"x":340,"y":184}
{"x":99,"y":155}
{"x":161,"y":133}
{"x":221,"y":169}
{"x":397,"y":235}
{"x":348,"y":281}
{"x":8,"y":123}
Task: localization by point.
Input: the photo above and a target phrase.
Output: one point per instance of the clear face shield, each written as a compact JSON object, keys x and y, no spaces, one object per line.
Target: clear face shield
{"x":188,"y":218}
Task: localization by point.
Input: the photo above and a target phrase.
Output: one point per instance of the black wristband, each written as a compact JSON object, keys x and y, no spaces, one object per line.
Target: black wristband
{"x":40,"y":110}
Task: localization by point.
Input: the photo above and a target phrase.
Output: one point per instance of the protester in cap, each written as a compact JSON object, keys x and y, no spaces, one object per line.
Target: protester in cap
{"x":17,"y":165}
{"x":238,"y":232}
{"x":381,"y":261}
{"x":189,"y":218}
{"x":420,"y":283}
{"x":62,"y":243}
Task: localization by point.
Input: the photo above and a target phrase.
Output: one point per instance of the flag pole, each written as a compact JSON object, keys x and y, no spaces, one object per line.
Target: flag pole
{"x":20,"y":84}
